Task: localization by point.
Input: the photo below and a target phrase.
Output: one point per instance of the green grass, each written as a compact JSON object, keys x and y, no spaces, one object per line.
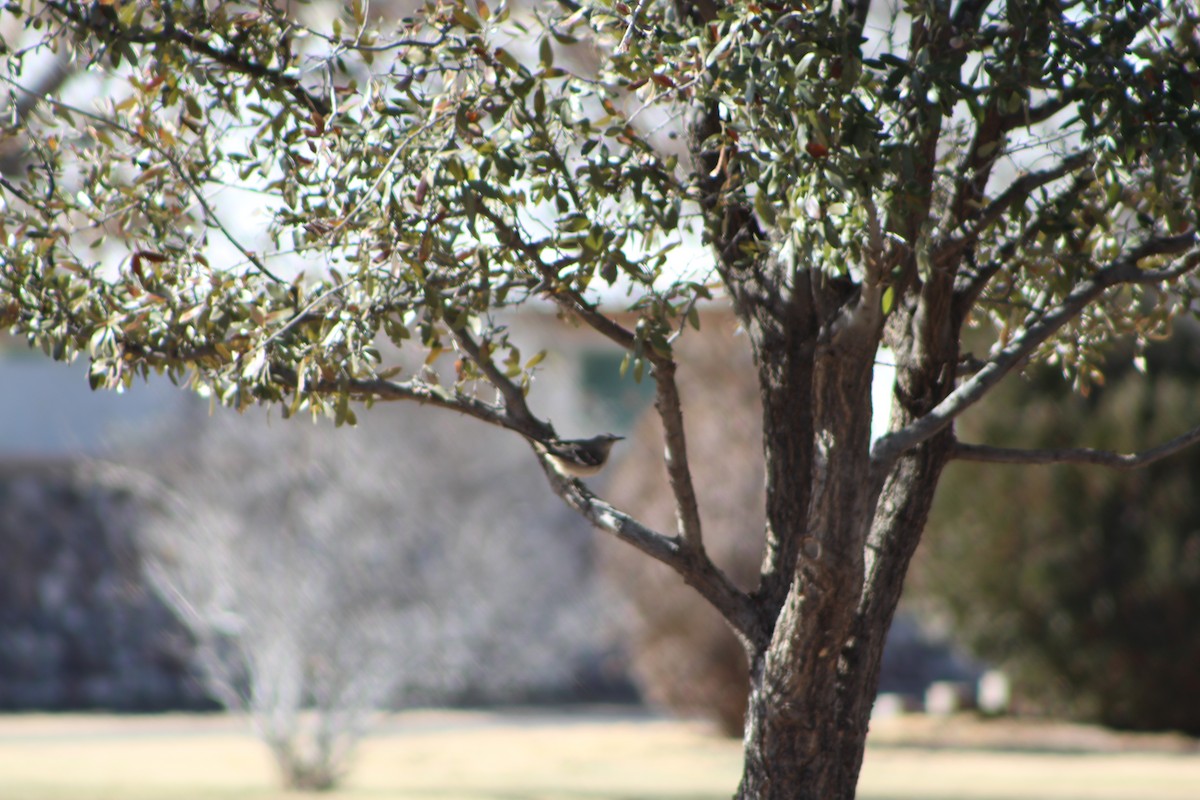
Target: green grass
{"x":478,"y":756}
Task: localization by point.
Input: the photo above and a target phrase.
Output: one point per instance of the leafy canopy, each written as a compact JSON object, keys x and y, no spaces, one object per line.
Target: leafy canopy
{"x":420,"y":176}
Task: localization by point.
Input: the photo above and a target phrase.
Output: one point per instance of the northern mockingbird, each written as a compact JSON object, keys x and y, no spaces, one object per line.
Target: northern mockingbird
{"x":578,"y":458}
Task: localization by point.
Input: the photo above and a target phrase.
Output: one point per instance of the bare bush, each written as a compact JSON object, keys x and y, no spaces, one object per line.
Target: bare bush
{"x":325,"y":575}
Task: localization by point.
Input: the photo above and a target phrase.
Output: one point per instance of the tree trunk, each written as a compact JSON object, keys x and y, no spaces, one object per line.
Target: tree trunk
{"x":841,"y":534}
{"x":796,"y":751}
{"x":811,"y":692}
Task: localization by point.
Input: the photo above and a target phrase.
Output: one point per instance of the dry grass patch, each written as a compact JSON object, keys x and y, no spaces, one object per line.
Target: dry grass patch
{"x":481,"y":756}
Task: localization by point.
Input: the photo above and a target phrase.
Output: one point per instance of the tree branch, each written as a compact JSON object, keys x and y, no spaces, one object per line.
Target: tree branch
{"x":415,"y":390}
{"x":566,"y":298}
{"x":987,"y":145}
{"x":1017,"y":192}
{"x":1123,"y":270}
{"x":1074,"y":455}
{"x":670,"y":411}
{"x":515,"y":406}
{"x":149,"y":142}
{"x":696,"y":569}
{"x":55,"y":75}
{"x":231,"y":58}
{"x":634,"y":17}
{"x":1033,"y":115}
{"x":969,"y":289}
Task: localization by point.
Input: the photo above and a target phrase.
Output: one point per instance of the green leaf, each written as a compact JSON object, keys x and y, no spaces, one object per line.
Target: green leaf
{"x":764,"y":208}
{"x":574,"y":223}
{"x":506,"y":58}
{"x":466,"y":19}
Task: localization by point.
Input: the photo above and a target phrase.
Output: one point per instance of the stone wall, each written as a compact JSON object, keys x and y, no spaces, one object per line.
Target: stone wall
{"x":78,"y":627}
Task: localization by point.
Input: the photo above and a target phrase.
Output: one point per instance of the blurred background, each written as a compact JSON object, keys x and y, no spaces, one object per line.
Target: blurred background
{"x":162,"y":555}
{"x":153,"y":544}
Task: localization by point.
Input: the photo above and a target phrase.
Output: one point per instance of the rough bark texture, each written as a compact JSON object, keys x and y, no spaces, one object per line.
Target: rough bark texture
{"x":843,"y":529}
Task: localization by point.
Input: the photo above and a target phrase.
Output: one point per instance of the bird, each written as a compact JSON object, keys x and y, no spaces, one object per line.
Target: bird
{"x":578,"y":458}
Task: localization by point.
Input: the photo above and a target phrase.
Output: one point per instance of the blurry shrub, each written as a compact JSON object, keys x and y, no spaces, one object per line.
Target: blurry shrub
{"x":1082,"y":581}
{"x":325,"y":574}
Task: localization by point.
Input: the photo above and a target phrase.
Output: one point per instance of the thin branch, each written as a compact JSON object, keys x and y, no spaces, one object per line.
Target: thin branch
{"x":670,"y":411}
{"x":1029,"y":116}
{"x":363,"y":389}
{"x":11,"y":156}
{"x":230,"y":58}
{"x":696,"y":569}
{"x":633,"y":23}
{"x":210,"y":214}
{"x":975,"y":166}
{"x":1123,"y":270}
{"x":514,"y":398}
{"x":385,"y":172}
{"x":1017,"y":192}
{"x":356,"y":44}
{"x":987,"y":145}
{"x":304,"y":315}
{"x":1074,"y":455}
{"x":4,"y":184}
{"x":415,"y":390}
{"x":568,"y":299}
{"x":969,"y":292}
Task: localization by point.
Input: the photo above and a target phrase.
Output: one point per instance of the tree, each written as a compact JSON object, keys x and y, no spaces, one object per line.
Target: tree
{"x":1087,"y":591}
{"x":1028,"y":168}
{"x":312,"y":570}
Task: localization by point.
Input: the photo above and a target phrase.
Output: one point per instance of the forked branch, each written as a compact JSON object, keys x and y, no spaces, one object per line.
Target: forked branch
{"x":1123,"y":270}
{"x":696,"y":569}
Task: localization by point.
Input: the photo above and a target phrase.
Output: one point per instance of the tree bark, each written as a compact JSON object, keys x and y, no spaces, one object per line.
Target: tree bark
{"x":843,"y":534}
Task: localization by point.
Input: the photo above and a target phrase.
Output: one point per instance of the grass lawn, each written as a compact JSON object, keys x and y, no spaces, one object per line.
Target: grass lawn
{"x":482,"y":756}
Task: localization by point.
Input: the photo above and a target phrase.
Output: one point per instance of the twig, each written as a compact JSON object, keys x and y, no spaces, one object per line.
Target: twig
{"x":633,"y":22}
{"x":1074,"y":455}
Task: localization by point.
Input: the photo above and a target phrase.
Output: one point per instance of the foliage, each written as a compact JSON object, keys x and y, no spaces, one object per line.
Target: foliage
{"x":440,"y":177}
{"x":1082,"y":582}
